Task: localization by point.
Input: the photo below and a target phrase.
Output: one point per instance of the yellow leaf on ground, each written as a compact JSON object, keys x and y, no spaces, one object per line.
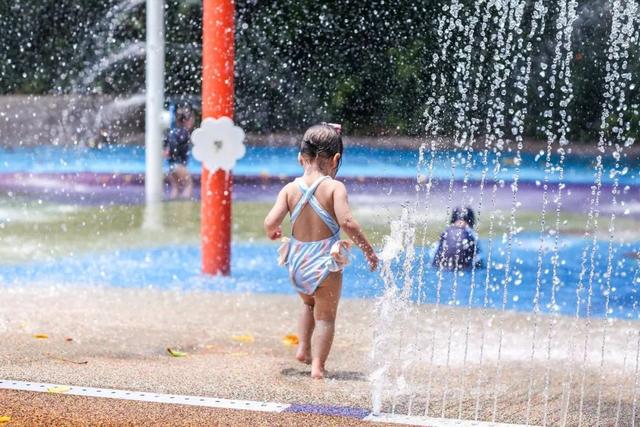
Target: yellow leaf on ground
{"x":5,"y":419}
{"x":215,"y":349}
{"x":291,"y":339}
{"x":239,"y":354}
{"x":243,"y":338}
{"x":58,"y":389}
{"x":63,"y":359}
{"x":41,"y":336}
{"x":176,"y":353}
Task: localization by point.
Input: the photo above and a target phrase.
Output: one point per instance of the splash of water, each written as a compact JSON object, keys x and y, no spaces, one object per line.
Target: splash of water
{"x":560,"y":75}
{"x":392,"y":311}
{"x":493,"y":57}
{"x":132,"y":50}
{"x":622,"y":34}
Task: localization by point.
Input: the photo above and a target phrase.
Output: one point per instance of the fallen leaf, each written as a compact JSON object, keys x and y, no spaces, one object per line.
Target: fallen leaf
{"x":239,"y":353}
{"x":243,"y":338}
{"x":216,"y":349}
{"x":58,"y":389}
{"x":291,"y":339}
{"x":62,"y":359}
{"x":5,"y":419}
{"x":41,"y":336}
{"x":176,"y":353}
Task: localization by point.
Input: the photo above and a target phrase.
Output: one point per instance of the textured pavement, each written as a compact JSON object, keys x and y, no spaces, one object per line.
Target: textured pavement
{"x":117,"y":338}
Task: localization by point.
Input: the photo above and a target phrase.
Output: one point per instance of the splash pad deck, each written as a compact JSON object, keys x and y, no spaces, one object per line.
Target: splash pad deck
{"x":129,"y":355}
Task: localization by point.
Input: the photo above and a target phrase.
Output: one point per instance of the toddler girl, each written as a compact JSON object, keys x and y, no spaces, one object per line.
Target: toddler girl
{"x":315,"y":255}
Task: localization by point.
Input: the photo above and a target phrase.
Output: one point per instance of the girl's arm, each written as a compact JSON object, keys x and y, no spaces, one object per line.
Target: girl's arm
{"x":276,"y":216}
{"x":351,"y":226}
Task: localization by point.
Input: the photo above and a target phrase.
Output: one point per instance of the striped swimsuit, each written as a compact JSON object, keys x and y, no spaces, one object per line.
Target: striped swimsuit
{"x":310,"y":263}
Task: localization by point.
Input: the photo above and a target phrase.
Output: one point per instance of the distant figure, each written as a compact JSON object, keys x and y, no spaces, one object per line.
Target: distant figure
{"x":458,"y":247}
{"x":177,"y":146}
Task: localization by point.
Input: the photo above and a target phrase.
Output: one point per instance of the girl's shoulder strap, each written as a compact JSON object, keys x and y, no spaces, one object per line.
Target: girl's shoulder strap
{"x":307,"y":196}
{"x":312,"y":188}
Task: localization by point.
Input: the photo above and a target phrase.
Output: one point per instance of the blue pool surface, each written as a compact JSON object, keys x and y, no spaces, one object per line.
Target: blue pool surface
{"x":278,"y":161}
{"x":255,"y":270}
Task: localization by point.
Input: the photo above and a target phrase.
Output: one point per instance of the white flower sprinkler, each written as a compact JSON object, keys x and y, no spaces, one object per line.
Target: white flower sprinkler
{"x":218,"y":144}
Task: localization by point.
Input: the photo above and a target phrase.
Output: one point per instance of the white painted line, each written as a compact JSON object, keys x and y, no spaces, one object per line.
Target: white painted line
{"x":246,"y":405}
{"x":432,"y":422}
{"x":209,"y":402}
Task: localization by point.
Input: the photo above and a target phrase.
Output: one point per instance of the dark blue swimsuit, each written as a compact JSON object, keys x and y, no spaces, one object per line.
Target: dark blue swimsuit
{"x":177,"y":142}
{"x":456,"y":249}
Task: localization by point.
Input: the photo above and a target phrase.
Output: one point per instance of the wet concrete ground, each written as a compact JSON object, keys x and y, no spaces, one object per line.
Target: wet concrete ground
{"x":117,"y":338}
{"x":40,"y":409}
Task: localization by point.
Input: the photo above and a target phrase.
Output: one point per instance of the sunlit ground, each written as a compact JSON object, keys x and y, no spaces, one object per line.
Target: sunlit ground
{"x":235,"y":349}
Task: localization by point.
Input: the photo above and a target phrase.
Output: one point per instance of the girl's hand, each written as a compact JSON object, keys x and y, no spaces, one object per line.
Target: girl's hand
{"x":275,"y":233}
{"x":373,"y":260}
{"x":276,"y":215}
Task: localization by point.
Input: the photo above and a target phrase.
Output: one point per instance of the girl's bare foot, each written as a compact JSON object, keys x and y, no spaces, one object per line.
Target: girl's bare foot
{"x":317,"y":371}
{"x":303,"y":355}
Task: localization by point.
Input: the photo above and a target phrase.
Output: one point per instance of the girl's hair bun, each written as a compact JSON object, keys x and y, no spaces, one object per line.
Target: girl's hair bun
{"x":309,"y":147}
{"x":335,"y":126}
{"x":322,"y":141}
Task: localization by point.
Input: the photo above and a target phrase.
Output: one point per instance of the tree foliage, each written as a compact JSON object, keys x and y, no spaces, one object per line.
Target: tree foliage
{"x":365,"y":63}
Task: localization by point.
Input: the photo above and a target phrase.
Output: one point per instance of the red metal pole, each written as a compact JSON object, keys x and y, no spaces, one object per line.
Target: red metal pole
{"x":217,"y":100}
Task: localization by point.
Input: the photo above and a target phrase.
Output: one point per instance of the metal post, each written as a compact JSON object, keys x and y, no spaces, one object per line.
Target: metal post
{"x":217,"y":100}
{"x":154,"y":179}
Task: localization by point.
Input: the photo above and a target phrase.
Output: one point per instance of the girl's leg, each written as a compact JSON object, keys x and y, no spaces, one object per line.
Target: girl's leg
{"x":173,"y":184}
{"x":184,"y":181}
{"x":187,"y":193}
{"x":327,"y":297}
{"x":306,"y":323}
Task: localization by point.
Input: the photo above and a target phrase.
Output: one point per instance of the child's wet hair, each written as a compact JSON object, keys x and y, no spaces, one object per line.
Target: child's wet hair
{"x":322,"y":141}
{"x":465,"y":214}
{"x":183,"y":114}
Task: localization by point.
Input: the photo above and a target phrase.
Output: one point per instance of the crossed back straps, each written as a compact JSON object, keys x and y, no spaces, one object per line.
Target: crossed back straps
{"x":308,"y":196}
